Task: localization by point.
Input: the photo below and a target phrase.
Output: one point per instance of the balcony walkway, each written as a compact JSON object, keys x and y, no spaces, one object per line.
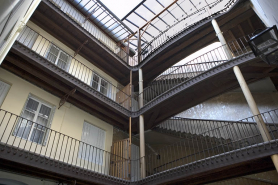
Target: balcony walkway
{"x":172,"y":45}
{"x":192,"y":160}
{"x":172,"y":92}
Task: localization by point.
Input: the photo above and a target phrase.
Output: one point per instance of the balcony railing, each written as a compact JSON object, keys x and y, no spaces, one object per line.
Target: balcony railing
{"x":189,"y":21}
{"x":21,"y":136}
{"x":196,"y":18}
{"x":86,"y":24}
{"x":236,"y":46}
{"x":206,"y":140}
{"x":201,"y":64}
{"x":72,"y":66}
{"x":163,"y":83}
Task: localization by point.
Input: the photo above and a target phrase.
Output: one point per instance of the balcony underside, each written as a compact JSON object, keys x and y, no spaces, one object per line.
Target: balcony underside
{"x":30,"y":66}
{"x":239,"y":21}
{"x":28,"y":163}
{"x":236,"y":23}
{"x":237,"y":163}
{"x":62,"y":27}
{"x":240,"y":162}
{"x":209,"y":84}
{"x":27,"y":64}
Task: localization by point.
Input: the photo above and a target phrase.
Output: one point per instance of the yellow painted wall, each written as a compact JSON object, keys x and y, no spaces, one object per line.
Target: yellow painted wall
{"x":66,"y":49}
{"x":67,"y":120}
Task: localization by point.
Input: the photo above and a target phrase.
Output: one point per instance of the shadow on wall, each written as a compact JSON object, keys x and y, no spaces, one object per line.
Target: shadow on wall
{"x":233,"y":106}
{"x":10,"y":182}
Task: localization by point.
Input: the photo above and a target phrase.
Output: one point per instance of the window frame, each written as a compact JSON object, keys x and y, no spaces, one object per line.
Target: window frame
{"x":28,"y":37}
{"x":34,"y":122}
{"x":68,"y":62}
{"x":5,"y":91}
{"x":108,"y":93}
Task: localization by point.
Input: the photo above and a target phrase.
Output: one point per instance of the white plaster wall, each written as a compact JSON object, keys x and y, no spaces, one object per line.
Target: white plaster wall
{"x":70,"y":52}
{"x":9,"y":25}
{"x":233,"y":106}
{"x":67,"y":120}
{"x":267,"y":11}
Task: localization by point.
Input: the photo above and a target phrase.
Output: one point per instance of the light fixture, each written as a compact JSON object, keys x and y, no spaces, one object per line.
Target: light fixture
{"x":265,"y":45}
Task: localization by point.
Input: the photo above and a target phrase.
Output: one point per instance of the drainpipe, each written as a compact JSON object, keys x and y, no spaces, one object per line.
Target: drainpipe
{"x":9,"y":43}
{"x":141,"y":117}
{"x":221,"y":39}
{"x":253,"y":106}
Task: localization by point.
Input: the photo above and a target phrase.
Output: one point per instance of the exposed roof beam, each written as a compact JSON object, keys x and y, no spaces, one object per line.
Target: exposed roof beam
{"x":147,"y":21}
{"x":181,"y":8}
{"x":133,"y":10}
{"x":152,"y":19}
{"x":193,"y":4}
{"x":155,"y":15}
{"x":138,"y":27}
{"x":167,"y":9}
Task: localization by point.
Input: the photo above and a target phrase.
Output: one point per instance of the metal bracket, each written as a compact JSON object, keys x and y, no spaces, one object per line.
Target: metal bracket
{"x":65,"y":97}
{"x":77,"y":51}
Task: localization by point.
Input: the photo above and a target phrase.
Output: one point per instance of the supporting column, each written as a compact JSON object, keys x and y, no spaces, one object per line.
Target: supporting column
{"x":7,"y":46}
{"x":141,"y":117}
{"x":253,"y":106}
{"x":221,"y":39}
{"x":141,"y":127}
{"x":130,"y":105}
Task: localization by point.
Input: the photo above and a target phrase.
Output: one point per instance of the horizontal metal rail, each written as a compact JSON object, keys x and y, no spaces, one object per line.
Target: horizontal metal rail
{"x":19,"y":135}
{"x":176,"y":125}
{"x":189,"y":21}
{"x":72,"y":66}
{"x":203,"y":63}
{"x":207,"y":139}
{"x":234,"y":45}
{"x":157,"y":87}
{"x":94,"y":31}
{"x":35,"y":140}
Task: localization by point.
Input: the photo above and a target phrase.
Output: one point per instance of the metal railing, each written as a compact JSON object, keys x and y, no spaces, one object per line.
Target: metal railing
{"x":24,"y":137}
{"x":190,"y":20}
{"x":235,"y":46}
{"x":86,"y":24}
{"x":179,"y":74}
{"x":185,"y":24}
{"x":164,"y":82}
{"x":206,"y":139}
{"x":72,"y":66}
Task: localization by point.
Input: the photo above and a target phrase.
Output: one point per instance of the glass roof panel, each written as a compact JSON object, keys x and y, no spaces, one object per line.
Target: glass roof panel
{"x":100,"y":15}
{"x":182,"y":11}
{"x":90,"y":6}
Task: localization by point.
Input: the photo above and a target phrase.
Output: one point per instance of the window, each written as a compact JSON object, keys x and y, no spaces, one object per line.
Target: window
{"x":27,"y":37}
{"x":37,"y":117}
{"x":4,"y":88}
{"x":58,"y":57}
{"x":92,"y":145}
{"x":101,"y":85}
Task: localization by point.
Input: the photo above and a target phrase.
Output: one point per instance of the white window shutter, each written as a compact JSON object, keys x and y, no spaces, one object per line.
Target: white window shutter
{"x":52,"y":53}
{"x":4,"y":88}
{"x":63,"y":60}
{"x":94,"y":141}
{"x":27,"y":37}
{"x":68,"y":64}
